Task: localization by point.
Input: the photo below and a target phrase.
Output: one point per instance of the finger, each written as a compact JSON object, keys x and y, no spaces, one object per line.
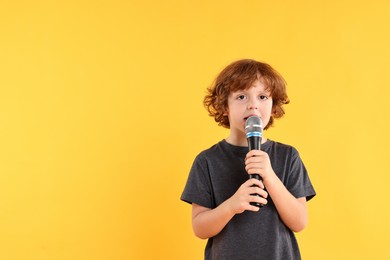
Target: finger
{"x":259,"y":199}
{"x":259,"y":191}
{"x":253,"y":208}
{"x":249,"y":158}
{"x":253,"y":169}
{"x":254,"y":182}
{"x":254,"y":161}
{"x":262,"y":193}
{"x":254,"y":153}
{"x":259,"y":196}
{"x":263,"y":201}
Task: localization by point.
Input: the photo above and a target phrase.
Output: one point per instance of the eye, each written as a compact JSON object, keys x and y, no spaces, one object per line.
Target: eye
{"x":241,"y":97}
{"x":262,"y":97}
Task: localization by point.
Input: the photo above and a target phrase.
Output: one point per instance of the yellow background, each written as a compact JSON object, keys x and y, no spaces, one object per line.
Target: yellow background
{"x":101,"y":117}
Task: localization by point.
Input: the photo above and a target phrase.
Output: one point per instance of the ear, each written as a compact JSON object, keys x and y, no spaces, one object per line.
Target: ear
{"x":226,"y":113}
{"x":274,"y":111}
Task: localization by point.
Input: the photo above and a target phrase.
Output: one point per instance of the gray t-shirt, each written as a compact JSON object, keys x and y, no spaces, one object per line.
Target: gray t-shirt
{"x":215,"y":176}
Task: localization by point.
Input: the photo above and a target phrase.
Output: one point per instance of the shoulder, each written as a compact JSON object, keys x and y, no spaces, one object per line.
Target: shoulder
{"x":213,"y":150}
{"x":280,"y":147}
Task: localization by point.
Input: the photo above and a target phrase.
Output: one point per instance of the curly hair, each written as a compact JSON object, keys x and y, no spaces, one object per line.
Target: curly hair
{"x":241,"y":75}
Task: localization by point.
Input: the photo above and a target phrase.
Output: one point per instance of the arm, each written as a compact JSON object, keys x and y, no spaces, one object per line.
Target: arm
{"x":293,"y":211}
{"x":208,"y":222}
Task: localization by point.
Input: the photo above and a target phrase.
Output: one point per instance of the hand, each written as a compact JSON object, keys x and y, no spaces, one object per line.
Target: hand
{"x":258,"y":162}
{"x":240,"y":201}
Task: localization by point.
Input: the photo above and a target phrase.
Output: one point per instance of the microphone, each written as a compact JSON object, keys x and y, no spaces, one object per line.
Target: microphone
{"x":254,"y":133}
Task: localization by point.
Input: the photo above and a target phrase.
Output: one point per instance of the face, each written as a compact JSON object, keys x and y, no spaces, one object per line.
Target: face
{"x":255,"y":100}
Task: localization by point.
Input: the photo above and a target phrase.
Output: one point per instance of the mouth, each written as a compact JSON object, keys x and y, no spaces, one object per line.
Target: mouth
{"x":245,"y":118}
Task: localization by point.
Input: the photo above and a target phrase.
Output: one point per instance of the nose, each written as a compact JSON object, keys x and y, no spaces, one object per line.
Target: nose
{"x":252,"y":105}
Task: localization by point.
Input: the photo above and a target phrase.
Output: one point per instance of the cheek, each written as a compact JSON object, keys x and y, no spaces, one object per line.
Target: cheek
{"x":271,"y":107}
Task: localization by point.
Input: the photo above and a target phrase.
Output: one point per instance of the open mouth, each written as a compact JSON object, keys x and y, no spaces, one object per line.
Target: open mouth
{"x":245,"y":118}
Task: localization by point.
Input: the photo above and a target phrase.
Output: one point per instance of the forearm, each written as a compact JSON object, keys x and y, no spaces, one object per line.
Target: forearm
{"x":207,"y":222}
{"x":292,"y":211}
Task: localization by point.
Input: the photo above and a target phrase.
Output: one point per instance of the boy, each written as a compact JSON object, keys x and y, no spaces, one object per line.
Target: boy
{"x":218,"y":186}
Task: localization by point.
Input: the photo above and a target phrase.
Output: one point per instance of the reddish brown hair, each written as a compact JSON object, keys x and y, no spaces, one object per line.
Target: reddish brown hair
{"x":241,"y":75}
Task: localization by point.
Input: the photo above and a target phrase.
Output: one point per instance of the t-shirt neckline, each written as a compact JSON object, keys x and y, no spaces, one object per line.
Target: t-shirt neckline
{"x":263,"y":146}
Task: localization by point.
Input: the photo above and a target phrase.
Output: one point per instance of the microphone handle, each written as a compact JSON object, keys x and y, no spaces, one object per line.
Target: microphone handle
{"x":254,"y":143}
{"x":258,"y":177}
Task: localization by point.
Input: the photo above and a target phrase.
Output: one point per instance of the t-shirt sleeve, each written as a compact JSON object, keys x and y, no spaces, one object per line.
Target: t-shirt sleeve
{"x":198,"y":188}
{"x":298,"y":181}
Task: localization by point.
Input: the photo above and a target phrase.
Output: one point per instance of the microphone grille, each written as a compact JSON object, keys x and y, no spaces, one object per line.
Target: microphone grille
{"x":254,"y":124}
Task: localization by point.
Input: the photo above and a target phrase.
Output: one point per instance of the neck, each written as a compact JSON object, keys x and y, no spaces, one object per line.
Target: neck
{"x":241,"y":141}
